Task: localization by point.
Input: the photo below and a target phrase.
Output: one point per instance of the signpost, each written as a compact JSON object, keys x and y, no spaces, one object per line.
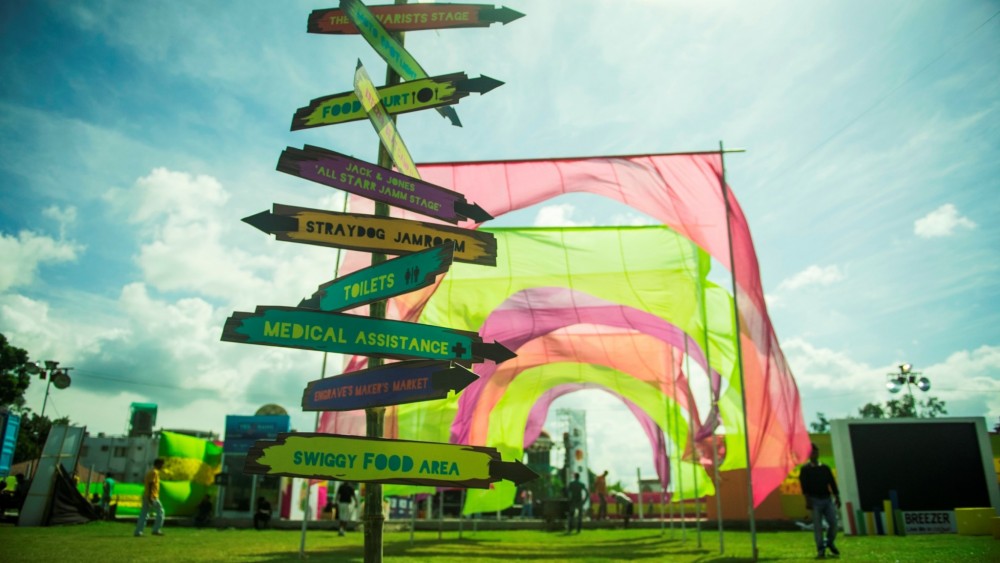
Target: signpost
{"x":411,"y":381}
{"x":429,"y":250}
{"x":356,"y":231}
{"x":342,"y":172}
{"x":377,"y":460}
{"x":400,"y":98}
{"x":389,"y":49}
{"x":384,"y":125}
{"x":381,"y":281}
{"x":291,"y":327}
{"x":413,"y":17}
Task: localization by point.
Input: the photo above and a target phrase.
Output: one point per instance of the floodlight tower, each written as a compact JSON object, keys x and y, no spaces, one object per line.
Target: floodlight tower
{"x":56,"y":376}
{"x":907,"y":376}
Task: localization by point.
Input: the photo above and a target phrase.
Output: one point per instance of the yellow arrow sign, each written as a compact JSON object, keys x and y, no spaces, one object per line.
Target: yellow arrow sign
{"x":356,"y":231}
{"x":378,"y":460}
{"x":384,"y":125}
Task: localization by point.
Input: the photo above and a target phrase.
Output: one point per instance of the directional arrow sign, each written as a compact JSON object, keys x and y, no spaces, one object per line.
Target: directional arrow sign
{"x":401,"y":98}
{"x":356,"y":231}
{"x":384,"y":125}
{"x":394,"y":384}
{"x":291,"y":327}
{"x":378,"y":460}
{"x":383,"y":280}
{"x":389,"y":49}
{"x":340,"y":171}
{"x":412,"y":17}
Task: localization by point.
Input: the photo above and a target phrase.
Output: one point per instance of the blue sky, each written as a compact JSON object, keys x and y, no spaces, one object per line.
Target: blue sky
{"x":135,"y":137}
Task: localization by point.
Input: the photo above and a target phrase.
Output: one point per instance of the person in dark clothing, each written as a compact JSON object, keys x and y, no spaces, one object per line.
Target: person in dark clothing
{"x":818,"y":485}
{"x":346,"y":498}
{"x":578,"y":495}
{"x":203,"y":516}
{"x":262,"y":518}
{"x":624,"y":506}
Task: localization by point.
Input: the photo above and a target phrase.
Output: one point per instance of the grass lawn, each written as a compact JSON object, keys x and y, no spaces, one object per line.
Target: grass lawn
{"x":108,"y":542}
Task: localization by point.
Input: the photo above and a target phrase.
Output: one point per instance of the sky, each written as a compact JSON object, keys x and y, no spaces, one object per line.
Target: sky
{"x":135,"y":136}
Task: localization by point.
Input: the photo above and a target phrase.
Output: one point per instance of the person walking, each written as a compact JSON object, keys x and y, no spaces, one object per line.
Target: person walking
{"x":107,"y":490}
{"x":818,"y":485}
{"x":601,"y":488}
{"x":578,"y":495}
{"x":262,"y":517}
{"x":346,"y":498}
{"x":151,"y":501}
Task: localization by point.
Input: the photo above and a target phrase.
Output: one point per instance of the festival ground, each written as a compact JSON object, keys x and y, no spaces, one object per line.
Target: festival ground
{"x":113,"y":541}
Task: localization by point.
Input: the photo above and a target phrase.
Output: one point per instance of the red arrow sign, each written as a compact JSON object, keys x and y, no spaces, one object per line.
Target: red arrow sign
{"x":411,"y":17}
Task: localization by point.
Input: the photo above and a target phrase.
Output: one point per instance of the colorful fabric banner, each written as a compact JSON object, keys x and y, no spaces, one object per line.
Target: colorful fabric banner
{"x":684,"y":192}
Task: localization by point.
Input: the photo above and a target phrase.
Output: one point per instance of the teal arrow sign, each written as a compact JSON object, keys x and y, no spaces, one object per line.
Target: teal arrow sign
{"x":389,"y":49}
{"x":384,"y":280}
{"x":291,"y":327}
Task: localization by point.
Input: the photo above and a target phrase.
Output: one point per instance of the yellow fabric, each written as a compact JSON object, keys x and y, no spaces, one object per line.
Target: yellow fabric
{"x":151,"y":485}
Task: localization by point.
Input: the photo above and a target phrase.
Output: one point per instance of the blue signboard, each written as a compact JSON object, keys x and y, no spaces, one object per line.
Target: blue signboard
{"x":243,"y":431}
{"x":10,"y":425}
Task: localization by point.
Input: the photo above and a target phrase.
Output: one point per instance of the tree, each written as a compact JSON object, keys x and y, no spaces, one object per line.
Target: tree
{"x":32,"y":435}
{"x":14,"y":378}
{"x":821,"y":426}
{"x":872,"y":410}
{"x":905,"y":407}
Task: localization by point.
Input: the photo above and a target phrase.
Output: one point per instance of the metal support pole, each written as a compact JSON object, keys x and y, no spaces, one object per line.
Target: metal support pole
{"x":375,"y":417}
{"x":739,"y":353}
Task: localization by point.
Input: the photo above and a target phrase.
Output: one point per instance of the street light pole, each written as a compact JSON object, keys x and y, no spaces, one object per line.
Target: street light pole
{"x":907,"y":376}
{"x":53,"y":374}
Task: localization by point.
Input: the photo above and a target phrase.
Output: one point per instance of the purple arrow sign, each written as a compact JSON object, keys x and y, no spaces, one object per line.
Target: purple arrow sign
{"x":394,"y":384}
{"x":340,"y":171}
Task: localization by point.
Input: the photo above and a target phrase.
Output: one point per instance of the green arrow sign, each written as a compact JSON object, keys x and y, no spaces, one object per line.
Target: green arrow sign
{"x":378,"y":460}
{"x":388,"y":48}
{"x":290,"y":327}
{"x":381,"y":281}
{"x":384,"y":125}
{"x":401,"y":98}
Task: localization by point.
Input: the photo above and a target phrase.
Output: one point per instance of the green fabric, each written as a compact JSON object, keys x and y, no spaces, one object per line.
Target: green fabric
{"x":188,"y":474}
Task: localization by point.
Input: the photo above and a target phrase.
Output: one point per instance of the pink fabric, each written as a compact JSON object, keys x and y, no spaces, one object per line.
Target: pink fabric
{"x":684,"y":192}
{"x":661,"y":459}
{"x":535,"y":312}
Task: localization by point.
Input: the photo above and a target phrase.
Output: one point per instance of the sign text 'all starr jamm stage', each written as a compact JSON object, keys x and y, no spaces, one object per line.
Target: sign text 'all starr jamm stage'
{"x":358,"y":177}
{"x":382,"y":281}
{"x":356,"y":231}
{"x":412,"y":17}
{"x":425,"y":93}
{"x":409,"y":381}
{"x":291,"y":327}
{"x":378,"y":460}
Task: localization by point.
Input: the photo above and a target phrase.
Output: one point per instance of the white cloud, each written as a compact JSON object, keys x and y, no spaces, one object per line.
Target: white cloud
{"x":192,"y":243}
{"x":813,"y":275}
{"x":941,"y":222}
{"x":834,"y":383}
{"x":632,"y":220}
{"x":64,"y":216}
{"x":23,"y":254}
{"x":560,"y":215}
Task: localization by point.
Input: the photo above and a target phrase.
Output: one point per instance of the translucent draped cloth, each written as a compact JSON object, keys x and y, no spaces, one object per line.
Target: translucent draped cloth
{"x":684,"y":193}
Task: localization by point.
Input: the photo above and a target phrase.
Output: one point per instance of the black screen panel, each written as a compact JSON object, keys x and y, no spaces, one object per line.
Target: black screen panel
{"x":931,"y":466}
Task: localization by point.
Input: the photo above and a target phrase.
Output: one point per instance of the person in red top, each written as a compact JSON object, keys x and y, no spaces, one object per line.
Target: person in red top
{"x":151,"y":501}
{"x":817,"y":485}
